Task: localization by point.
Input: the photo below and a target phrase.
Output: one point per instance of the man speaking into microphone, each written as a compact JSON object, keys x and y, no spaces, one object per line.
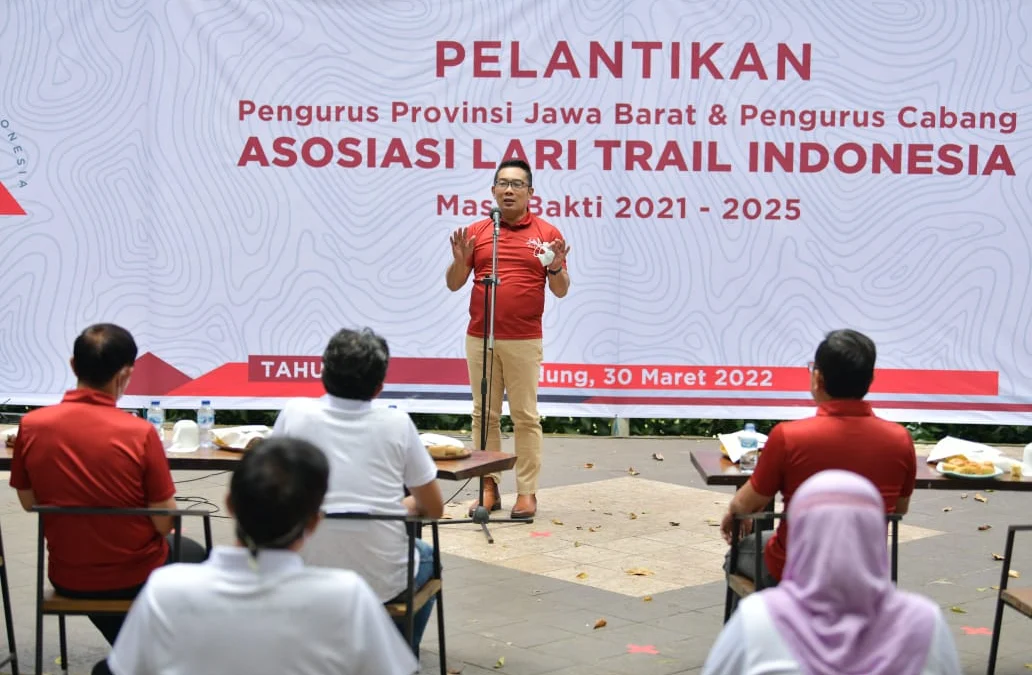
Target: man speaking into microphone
{"x":531,"y":252}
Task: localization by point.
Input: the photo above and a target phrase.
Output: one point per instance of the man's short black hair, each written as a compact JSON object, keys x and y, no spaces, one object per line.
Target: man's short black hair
{"x":100,"y":352}
{"x":519,"y":164}
{"x":846,"y":360}
{"x":355,"y":364}
{"x":276,"y":491}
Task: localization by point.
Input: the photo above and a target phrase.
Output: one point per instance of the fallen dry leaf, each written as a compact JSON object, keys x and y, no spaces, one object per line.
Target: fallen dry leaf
{"x":947,"y":509}
{"x":607,"y":513}
{"x":647,"y":598}
{"x":983,"y":528}
{"x":500,"y":663}
{"x":601,"y":623}
{"x":1014,"y":574}
{"x":455,"y":671}
{"x":582,"y":575}
{"x":1028,"y":666}
{"x":589,"y":465}
{"x":997,"y":556}
{"x":633,"y":516}
{"x":958,"y":610}
{"x":556,"y":521}
{"x":576,"y":544}
{"x":579,"y":527}
{"x":640,"y":572}
{"x":446,"y":516}
{"x":658,"y":457}
{"x":631,"y":471}
{"x":995,"y":588}
{"x":593,"y":529}
{"x":712,"y":523}
{"x":983,"y":589}
{"x":963,"y":495}
{"x":675,"y":523}
{"x":980,"y":498}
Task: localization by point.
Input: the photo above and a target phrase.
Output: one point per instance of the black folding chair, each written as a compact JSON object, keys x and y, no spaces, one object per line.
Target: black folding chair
{"x":1019,"y":599}
{"x":50,"y":603}
{"x":414,"y":598}
{"x":739,"y":585}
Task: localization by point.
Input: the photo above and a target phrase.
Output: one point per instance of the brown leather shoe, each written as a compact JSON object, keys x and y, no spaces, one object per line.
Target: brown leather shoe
{"x":525,"y":507}
{"x":492,"y":498}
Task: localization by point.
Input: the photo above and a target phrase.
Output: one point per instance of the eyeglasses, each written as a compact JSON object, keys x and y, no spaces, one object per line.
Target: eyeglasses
{"x":514,"y":184}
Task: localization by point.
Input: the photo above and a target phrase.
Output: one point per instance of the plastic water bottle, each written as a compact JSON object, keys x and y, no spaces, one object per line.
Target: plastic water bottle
{"x":205,"y":423}
{"x":156,"y":416}
{"x":750,"y":449}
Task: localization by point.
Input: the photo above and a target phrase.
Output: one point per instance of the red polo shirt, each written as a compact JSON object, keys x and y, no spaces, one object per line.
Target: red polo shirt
{"x":86,"y":452}
{"x":844,"y":435}
{"x":521,"y":291}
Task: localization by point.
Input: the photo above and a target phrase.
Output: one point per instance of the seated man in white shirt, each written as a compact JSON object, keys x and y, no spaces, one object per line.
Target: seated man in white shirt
{"x":375,"y":454}
{"x":255,"y":607}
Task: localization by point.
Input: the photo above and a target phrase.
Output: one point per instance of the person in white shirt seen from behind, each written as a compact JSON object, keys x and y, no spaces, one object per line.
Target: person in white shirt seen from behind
{"x":255,"y":607}
{"x":375,"y":454}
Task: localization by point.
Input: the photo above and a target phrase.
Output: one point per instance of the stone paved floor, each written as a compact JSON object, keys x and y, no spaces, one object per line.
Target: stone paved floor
{"x":534,"y":597}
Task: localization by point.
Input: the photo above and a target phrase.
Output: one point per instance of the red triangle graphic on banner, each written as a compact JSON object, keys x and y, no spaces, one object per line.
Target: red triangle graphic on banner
{"x":9,"y":206}
{"x":153,"y":377}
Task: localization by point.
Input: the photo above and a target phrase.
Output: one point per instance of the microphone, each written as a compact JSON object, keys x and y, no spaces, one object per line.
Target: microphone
{"x":496,"y":216}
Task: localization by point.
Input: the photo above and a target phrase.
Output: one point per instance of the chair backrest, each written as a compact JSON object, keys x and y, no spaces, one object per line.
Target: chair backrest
{"x":412,"y":524}
{"x":891,"y":519}
{"x":1008,"y":552}
{"x":47,"y":510}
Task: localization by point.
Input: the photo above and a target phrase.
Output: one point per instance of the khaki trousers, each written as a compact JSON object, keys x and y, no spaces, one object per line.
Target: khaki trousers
{"x":517,"y":367}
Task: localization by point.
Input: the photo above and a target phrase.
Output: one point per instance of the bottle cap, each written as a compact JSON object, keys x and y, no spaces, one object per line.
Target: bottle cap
{"x":155,"y":402}
{"x":750,"y":427}
{"x":205,"y":402}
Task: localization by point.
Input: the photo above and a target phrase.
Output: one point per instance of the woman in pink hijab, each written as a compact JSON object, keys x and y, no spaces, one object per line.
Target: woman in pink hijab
{"x":836,"y":610}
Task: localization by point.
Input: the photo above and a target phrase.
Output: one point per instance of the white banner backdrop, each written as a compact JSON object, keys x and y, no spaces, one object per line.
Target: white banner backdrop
{"x":235,"y":180}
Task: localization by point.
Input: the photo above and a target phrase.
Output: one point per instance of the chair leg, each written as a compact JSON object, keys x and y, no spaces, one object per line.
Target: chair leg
{"x":207,"y":534}
{"x":410,"y":629}
{"x":8,"y":619}
{"x":39,"y":637}
{"x":995,"y":644}
{"x":64,"y":642}
{"x":440,"y":631}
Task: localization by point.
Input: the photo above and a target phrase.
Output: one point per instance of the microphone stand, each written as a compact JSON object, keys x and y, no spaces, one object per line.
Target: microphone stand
{"x":481,"y":516}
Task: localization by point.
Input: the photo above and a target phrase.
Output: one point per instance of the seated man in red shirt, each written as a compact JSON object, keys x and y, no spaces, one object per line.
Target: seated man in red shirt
{"x":844,"y":435}
{"x":86,"y":452}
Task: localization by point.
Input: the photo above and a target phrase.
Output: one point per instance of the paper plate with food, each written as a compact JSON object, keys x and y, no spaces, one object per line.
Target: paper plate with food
{"x":445,"y":447}
{"x":239,"y":439}
{"x":958,"y":466}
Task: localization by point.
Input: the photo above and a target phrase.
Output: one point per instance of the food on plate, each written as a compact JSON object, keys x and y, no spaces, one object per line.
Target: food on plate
{"x":443,"y":447}
{"x":9,"y":441}
{"x":446,"y":451}
{"x":250,"y":444}
{"x":964,"y":466}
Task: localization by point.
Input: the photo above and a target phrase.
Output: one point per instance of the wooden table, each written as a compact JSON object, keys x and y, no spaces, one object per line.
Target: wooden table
{"x":716,"y":469}
{"x":479,"y":464}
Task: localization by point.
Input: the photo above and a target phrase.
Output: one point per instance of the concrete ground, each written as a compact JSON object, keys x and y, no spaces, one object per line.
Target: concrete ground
{"x":619,"y":573}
